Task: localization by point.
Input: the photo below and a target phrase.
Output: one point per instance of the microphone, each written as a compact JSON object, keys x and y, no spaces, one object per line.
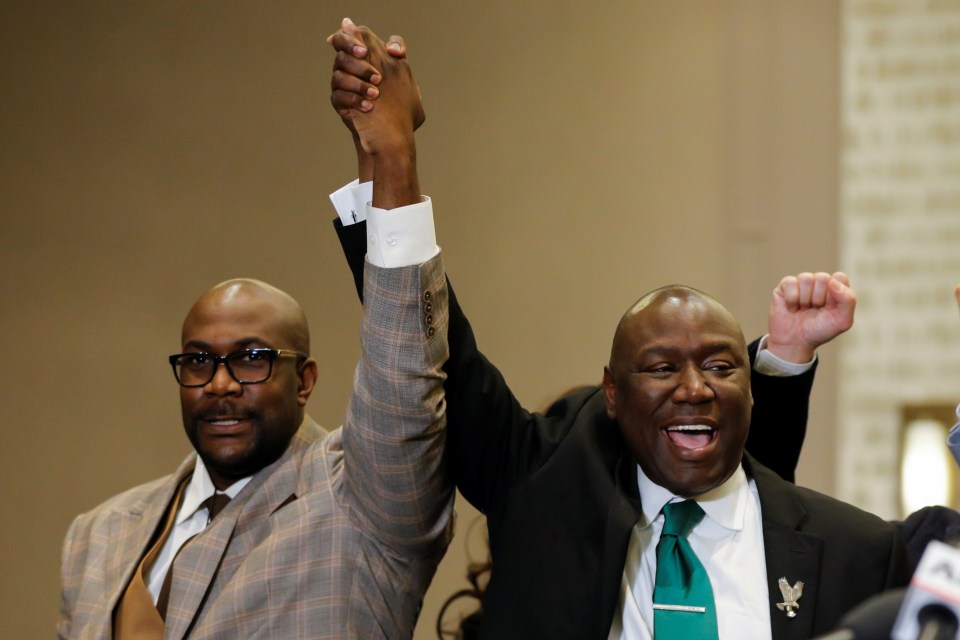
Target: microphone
{"x":931,"y":606}
{"x":871,"y":620}
{"x":928,"y":610}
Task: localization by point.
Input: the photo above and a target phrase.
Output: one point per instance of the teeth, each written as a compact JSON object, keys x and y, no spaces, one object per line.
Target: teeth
{"x":690,"y":427}
{"x":224,"y":423}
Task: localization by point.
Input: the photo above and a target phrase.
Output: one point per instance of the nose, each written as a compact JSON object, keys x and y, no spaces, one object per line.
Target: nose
{"x":692,"y":387}
{"x":222,"y":383}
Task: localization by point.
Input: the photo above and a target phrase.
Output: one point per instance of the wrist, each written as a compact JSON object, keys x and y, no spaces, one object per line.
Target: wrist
{"x":788,"y":352}
{"x":395,"y":146}
{"x":364,"y":161}
{"x":395,"y":181}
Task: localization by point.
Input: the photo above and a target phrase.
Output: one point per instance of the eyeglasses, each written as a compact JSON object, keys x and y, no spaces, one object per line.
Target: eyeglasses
{"x":249,"y":366}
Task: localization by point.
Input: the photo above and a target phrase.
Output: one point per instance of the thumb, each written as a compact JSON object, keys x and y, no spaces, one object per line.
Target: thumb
{"x":396,"y":47}
{"x":844,"y":297}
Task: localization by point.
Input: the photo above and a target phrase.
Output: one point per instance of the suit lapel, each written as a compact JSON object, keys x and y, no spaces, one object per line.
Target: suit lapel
{"x":789,"y":553}
{"x":623,"y":515}
{"x":131,"y":530}
{"x":194,"y":570}
{"x":207,"y":563}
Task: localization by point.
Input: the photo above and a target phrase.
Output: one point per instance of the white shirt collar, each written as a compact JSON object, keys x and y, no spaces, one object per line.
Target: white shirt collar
{"x":201,"y":487}
{"x":726,"y":504}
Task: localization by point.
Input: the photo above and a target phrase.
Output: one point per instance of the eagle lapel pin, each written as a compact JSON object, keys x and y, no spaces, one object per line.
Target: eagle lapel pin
{"x":790,"y":597}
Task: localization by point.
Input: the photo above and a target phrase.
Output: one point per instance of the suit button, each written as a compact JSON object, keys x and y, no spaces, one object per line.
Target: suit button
{"x":430,"y":332}
{"x":428,"y":307}
{"x":427,"y":296}
{"x":428,"y":319}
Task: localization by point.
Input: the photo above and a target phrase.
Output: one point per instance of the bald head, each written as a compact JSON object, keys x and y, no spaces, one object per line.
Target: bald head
{"x":668,"y":301}
{"x":277,"y":310}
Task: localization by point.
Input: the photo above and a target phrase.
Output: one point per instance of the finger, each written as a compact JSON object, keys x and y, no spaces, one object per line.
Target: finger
{"x":818,"y":297}
{"x":356,"y":67}
{"x":350,"y":42}
{"x":349,"y":27}
{"x":846,"y":301}
{"x":349,"y":83}
{"x":805,"y":290}
{"x":840,"y":286}
{"x":789,"y":292}
{"x":370,"y":39}
{"x":842,"y":277}
{"x":347,"y":44}
{"x":841,"y":291}
{"x":344,"y":101}
{"x":396,"y":47}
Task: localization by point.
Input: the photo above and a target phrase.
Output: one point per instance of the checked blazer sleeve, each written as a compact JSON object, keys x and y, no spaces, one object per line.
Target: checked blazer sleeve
{"x":394,"y":482}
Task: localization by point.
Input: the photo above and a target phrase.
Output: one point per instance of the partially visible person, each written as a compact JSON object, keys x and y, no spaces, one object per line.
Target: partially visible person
{"x":323,"y":535}
{"x":573,"y":497}
{"x":953,"y":439}
{"x":934,"y":522}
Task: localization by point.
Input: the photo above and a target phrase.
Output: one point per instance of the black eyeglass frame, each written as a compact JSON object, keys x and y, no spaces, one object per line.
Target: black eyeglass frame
{"x":271,"y":354}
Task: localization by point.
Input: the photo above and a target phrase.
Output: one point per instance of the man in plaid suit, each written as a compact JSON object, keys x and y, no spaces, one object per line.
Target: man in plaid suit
{"x":325,"y":535}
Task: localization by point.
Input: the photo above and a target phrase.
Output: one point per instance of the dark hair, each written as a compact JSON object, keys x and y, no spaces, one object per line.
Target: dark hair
{"x":468,"y":627}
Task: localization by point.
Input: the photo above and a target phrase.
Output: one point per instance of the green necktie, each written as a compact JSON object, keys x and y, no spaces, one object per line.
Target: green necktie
{"x":683,"y":605}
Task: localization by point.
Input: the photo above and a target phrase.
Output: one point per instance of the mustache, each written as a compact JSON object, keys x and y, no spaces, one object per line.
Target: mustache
{"x":225,"y":410}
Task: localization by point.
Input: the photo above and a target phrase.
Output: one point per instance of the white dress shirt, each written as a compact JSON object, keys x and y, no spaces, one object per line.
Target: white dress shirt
{"x":728,"y":542}
{"x":192,"y":518}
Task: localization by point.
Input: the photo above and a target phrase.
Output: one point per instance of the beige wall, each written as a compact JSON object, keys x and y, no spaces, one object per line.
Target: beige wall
{"x":900,"y":213}
{"x":578,"y":155}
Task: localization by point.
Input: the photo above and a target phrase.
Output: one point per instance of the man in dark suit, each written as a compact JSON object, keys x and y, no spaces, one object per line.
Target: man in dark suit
{"x":573,"y":496}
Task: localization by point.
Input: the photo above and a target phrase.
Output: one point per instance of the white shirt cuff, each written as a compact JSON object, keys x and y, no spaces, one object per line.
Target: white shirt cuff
{"x":351,"y":200}
{"x":399,"y":237}
{"x":770,"y":365}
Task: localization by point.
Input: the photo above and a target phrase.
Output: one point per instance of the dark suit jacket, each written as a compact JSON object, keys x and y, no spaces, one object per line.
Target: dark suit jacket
{"x":929,"y":523}
{"x":560,"y":494}
{"x":559,"y":534}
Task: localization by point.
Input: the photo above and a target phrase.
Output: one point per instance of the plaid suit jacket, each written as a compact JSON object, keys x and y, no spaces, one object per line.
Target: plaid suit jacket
{"x":338,"y":538}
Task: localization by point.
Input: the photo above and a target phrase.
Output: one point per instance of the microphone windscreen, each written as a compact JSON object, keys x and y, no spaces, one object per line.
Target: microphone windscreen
{"x":873,"y":619}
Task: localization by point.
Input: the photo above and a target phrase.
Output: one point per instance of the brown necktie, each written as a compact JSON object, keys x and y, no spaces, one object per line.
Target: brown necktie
{"x":214,"y":505}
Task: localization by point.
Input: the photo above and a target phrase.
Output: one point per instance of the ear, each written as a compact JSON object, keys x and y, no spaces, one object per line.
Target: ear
{"x":308,"y":378}
{"x":610,"y":393}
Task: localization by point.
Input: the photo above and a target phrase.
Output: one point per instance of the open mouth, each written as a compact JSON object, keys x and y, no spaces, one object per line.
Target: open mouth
{"x":691,"y":436}
{"x":225,"y":426}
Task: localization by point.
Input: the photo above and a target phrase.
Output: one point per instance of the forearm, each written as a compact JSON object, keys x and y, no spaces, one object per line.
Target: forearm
{"x":779,"y":422}
{"x":394,"y":431}
{"x":483,"y":416}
